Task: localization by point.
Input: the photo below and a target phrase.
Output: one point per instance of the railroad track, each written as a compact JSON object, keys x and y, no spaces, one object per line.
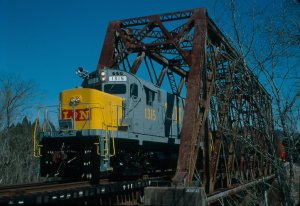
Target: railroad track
{"x":105,"y":192}
{"x":18,"y":190}
{"x":49,"y":193}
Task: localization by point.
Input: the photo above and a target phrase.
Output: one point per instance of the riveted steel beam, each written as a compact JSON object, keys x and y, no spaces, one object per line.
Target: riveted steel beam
{"x":228,"y":116}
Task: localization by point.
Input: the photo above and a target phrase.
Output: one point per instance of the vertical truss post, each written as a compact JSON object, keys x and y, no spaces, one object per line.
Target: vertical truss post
{"x":108,"y":49}
{"x":190,"y":137}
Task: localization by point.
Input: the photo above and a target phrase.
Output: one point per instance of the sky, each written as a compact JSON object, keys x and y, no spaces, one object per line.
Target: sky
{"x":47,"y":40}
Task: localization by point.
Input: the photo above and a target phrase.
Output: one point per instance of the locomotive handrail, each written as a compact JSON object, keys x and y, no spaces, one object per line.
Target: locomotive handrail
{"x":88,"y":119}
{"x":113,"y":145}
{"x":90,"y":107}
{"x":106,"y":145}
{"x":35,"y":144}
{"x":74,"y":108}
{"x":98,"y":146}
{"x":106,"y":150}
{"x":46,"y":120}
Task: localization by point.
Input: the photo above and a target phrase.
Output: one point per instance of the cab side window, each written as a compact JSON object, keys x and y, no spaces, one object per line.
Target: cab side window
{"x":150,"y":96}
{"x":134,"y":91}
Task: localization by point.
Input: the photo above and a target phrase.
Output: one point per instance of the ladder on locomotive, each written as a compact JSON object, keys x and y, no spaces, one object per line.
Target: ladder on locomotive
{"x":106,"y":149}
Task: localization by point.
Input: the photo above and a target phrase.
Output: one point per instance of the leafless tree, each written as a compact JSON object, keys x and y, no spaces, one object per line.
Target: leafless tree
{"x":17,"y":164}
{"x":15,"y":95}
{"x":267,"y":35}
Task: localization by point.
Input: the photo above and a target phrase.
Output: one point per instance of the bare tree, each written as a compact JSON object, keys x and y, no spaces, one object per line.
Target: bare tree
{"x":267,"y":35}
{"x":17,"y":164}
{"x":15,"y":94}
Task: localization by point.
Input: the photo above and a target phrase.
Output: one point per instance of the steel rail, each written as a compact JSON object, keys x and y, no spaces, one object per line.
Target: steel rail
{"x":214,"y":197}
{"x":52,"y":193}
{"x":17,"y":190}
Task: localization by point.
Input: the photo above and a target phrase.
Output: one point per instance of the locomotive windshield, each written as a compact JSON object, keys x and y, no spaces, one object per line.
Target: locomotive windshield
{"x":115,"y":88}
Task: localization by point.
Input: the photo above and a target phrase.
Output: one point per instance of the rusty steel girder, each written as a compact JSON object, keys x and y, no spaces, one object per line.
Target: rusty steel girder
{"x":227,"y":128}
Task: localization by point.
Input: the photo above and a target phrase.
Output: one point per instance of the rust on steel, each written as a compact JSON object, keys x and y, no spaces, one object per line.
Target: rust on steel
{"x":193,"y":119}
{"x":227,"y":126}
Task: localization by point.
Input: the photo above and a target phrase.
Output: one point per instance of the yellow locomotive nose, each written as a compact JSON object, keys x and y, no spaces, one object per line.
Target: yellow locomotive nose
{"x":90,"y":109}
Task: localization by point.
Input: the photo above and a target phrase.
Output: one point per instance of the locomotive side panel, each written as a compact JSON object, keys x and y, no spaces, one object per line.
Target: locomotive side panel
{"x":172,"y":115}
{"x":159,"y":112}
{"x":152,"y":109}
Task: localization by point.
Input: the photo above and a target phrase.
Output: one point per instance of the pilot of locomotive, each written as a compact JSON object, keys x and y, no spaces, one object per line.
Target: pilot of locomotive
{"x":116,"y":123}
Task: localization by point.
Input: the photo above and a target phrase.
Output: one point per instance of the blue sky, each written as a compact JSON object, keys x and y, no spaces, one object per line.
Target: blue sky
{"x":46,"y":40}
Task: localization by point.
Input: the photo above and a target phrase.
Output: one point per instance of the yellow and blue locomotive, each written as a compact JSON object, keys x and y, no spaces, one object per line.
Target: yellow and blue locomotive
{"x":114,"y":124}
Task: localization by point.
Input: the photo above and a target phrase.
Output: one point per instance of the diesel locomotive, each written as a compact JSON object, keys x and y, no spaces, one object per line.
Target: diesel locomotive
{"x":114,"y":124}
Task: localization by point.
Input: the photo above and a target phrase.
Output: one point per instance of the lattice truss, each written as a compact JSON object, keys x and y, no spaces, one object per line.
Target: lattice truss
{"x":226,"y":135}
{"x":239,"y":138}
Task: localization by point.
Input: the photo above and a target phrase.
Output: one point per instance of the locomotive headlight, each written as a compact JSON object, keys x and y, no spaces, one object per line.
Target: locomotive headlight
{"x":72,"y":100}
{"x":102,"y":76}
{"x":77,"y":100}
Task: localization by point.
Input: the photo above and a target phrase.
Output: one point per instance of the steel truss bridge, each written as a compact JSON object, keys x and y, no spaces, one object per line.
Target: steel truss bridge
{"x":227,"y":128}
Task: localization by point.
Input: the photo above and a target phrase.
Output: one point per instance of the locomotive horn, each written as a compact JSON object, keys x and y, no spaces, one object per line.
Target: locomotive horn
{"x":82,"y":73}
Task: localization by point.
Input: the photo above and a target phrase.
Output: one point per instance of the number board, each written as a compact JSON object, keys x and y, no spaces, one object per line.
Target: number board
{"x":117,"y":78}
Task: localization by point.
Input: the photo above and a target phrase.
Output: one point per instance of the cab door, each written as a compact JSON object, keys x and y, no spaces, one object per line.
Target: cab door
{"x":152,"y":113}
{"x":133,"y":109}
